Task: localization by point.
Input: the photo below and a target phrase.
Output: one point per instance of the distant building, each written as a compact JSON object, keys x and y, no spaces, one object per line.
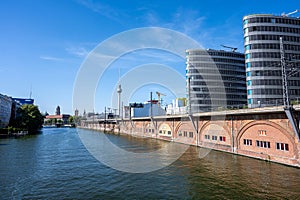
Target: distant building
{"x":126,"y":111}
{"x":57,"y":112}
{"x":14,"y":108}
{"x":58,"y":118}
{"x":5,"y":110}
{"x":76,"y":113}
{"x":23,"y":101}
{"x":262,"y":34}
{"x":178,"y":106}
{"x":145,"y":111}
{"x":206,"y":93}
{"x":17,"y":103}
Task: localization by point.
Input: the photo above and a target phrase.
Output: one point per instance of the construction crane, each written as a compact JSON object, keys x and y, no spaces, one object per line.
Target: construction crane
{"x":233,"y":49}
{"x":158,"y":97}
{"x":291,"y":13}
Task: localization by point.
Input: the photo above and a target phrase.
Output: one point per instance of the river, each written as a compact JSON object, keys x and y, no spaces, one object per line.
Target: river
{"x":56,"y":165}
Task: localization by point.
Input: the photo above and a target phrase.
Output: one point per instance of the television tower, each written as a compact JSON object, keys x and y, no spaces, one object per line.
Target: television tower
{"x":119,"y":90}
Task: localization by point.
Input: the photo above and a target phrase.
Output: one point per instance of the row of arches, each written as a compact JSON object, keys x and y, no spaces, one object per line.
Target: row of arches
{"x":263,"y":138}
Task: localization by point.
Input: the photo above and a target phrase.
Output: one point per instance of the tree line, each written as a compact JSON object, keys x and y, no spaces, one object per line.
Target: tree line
{"x":28,"y":118}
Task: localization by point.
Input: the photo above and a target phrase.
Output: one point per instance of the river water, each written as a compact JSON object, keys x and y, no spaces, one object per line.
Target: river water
{"x":56,"y":165}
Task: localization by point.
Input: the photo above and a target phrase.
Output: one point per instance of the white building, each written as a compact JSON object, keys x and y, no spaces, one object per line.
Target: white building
{"x":177,"y":107}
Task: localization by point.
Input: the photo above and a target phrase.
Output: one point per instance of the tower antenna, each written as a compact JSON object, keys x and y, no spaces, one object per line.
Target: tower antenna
{"x":119,"y":91}
{"x":119,"y":74}
{"x":30,"y":93}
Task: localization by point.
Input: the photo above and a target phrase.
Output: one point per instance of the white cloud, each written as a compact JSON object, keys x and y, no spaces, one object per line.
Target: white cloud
{"x":103,"y":9}
{"x":186,"y":21}
{"x":192,"y":23}
{"x":77,"y":51}
{"x":50,"y":58}
{"x":157,"y":55}
{"x":151,"y":18}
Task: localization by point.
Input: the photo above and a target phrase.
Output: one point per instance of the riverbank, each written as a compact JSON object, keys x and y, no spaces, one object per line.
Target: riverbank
{"x":263,"y":133}
{"x":12,"y":132}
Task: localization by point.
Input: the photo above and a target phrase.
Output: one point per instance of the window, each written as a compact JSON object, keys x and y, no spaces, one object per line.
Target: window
{"x":262,"y":132}
{"x":222,"y":138}
{"x":191,"y":134}
{"x":207,"y":137}
{"x":179,"y":133}
{"x":248,"y":64}
{"x":248,"y":74}
{"x":247,"y":56}
{"x":273,"y":20}
{"x":249,"y":101}
{"x":282,"y":146}
{"x":249,"y":92}
{"x":263,"y":144}
{"x":249,"y":82}
{"x":160,"y":131}
{"x":184,"y":133}
{"x":247,"y":39}
{"x":169,"y":132}
{"x":247,"y":47}
{"x":247,"y":142}
{"x":246,"y":21}
{"x":214,"y":137}
{"x":246,"y":30}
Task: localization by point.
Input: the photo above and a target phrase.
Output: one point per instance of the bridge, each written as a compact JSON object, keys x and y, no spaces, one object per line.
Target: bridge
{"x":265,"y":133}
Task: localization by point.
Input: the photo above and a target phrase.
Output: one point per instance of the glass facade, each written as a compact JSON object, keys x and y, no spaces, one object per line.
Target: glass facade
{"x":217,"y":78}
{"x":5,"y":110}
{"x":262,"y":52}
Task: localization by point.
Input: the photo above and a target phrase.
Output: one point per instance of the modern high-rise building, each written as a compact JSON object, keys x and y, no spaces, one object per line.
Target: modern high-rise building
{"x":215,"y":79}
{"x":262,"y":33}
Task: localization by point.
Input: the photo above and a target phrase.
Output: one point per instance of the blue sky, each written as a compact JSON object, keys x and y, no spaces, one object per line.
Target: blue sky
{"x":44,"y":43}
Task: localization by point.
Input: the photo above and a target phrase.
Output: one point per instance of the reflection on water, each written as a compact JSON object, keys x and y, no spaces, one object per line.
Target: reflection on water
{"x":231,"y":176}
{"x":55,"y":165}
{"x":134,"y":161}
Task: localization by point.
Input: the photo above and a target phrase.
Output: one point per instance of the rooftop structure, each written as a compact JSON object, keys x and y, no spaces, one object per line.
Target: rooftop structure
{"x":23,"y":101}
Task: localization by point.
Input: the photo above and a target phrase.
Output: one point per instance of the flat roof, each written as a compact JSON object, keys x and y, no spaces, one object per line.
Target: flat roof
{"x":249,"y":111}
{"x":270,"y":15}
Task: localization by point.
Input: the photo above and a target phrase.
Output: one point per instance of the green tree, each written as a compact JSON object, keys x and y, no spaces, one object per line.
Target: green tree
{"x":28,"y":118}
{"x":71,"y":120}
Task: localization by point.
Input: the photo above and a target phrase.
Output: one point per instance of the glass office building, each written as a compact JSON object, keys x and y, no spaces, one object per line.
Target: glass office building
{"x":262,"y":58}
{"x":215,"y":79}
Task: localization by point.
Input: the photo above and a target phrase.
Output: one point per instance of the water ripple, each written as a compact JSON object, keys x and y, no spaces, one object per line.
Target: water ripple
{"x":55,"y":165}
